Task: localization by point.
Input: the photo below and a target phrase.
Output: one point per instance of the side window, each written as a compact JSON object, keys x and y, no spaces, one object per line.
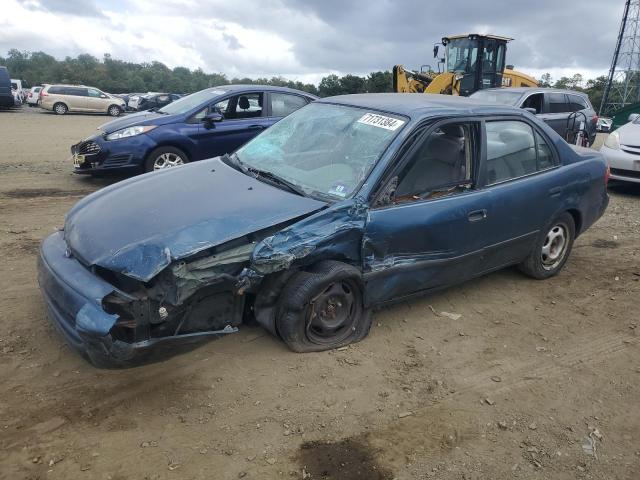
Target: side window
{"x":441,"y":165}
{"x":94,"y":93}
{"x":557,"y":103}
{"x":576,"y":103}
{"x":534,"y":101}
{"x":162,"y":98}
{"x":246,"y":105}
{"x":514,"y":151}
{"x":55,"y":90}
{"x":283,"y":104}
{"x":76,"y":92}
{"x":220,"y":107}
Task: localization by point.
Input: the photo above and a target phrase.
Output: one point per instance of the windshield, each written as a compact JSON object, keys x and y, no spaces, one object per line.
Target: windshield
{"x":461,"y":55}
{"x":185,"y":104}
{"x":503,"y":96}
{"x":325,"y":150}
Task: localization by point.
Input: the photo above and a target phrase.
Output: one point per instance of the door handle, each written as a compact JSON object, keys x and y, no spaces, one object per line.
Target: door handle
{"x":477,"y":215}
{"x":256,"y":127}
{"x":555,"y":191}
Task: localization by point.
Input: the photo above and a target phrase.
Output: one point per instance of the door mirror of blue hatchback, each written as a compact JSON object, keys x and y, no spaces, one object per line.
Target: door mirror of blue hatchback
{"x":211,"y":119}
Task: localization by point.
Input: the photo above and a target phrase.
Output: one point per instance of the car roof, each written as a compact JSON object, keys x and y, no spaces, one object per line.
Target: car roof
{"x":269,"y":88}
{"x":419,"y":104}
{"x":532,"y":90}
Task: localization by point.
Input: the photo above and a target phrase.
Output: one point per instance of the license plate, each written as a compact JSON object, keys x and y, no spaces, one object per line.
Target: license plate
{"x":78,"y":160}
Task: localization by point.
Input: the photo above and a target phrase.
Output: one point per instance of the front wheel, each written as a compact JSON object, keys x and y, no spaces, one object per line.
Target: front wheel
{"x":165,"y":157}
{"x":323,"y":309}
{"x":114,"y":111}
{"x":552,"y":248}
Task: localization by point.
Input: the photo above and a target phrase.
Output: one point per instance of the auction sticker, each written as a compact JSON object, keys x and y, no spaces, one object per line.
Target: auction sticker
{"x":381,"y":121}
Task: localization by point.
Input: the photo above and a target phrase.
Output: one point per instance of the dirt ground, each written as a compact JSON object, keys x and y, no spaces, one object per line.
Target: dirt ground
{"x":535,"y":380}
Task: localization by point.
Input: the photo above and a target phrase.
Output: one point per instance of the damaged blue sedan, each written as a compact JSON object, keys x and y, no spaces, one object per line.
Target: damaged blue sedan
{"x":349,"y":203}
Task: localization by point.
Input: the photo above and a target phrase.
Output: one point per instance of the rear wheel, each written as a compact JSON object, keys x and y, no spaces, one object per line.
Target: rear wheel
{"x":165,"y":157}
{"x":323,"y":309}
{"x":552,"y":248}
{"x":60,"y":108}
{"x":114,"y":110}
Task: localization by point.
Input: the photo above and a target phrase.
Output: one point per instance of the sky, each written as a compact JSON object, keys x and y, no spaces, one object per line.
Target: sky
{"x":306,"y":39}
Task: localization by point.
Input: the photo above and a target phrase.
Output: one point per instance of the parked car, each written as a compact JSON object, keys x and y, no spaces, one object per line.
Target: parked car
{"x":33,"y":96}
{"x":79,"y":98}
{"x":604,"y":124}
{"x":151,"y":101}
{"x":348,"y":203}
{"x":6,"y":97}
{"x":621,"y":149}
{"x":202,"y":125}
{"x":562,"y":110}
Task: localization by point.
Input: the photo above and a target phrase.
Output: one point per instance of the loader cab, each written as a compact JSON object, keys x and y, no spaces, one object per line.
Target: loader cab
{"x":476,"y":60}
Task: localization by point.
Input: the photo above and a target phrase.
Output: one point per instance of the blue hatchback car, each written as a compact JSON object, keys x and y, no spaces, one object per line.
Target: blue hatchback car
{"x":206,"y":124}
{"x":346,"y":204}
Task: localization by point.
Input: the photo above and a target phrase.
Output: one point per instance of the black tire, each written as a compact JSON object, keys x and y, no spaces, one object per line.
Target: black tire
{"x":60,"y":108}
{"x":549,"y":255}
{"x":343,"y":317}
{"x":150,"y":162}
{"x":114,"y":111}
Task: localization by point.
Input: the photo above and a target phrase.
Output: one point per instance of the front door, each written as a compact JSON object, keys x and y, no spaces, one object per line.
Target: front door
{"x":95,"y":102}
{"x":244,"y":118}
{"x":555,"y":112}
{"x":430,"y":233}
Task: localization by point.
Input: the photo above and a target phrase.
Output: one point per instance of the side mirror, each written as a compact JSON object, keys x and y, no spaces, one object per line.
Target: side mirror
{"x":102,"y":95}
{"x":633,"y":117}
{"x":211,"y":119}
{"x":436,"y":48}
{"x":531,"y":110}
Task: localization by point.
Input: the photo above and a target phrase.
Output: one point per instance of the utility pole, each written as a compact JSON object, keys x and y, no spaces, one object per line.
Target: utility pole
{"x":623,"y":83}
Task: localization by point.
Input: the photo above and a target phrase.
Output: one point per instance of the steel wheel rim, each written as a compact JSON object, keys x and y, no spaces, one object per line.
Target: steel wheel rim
{"x":167,"y":160}
{"x":554,"y":247}
{"x":332,"y":315}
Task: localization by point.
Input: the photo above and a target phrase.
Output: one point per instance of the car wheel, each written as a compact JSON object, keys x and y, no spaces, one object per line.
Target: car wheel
{"x":552,"y":249}
{"x":60,"y":108}
{"x":165,"y":157}
{"x":323,"y":309}
{"x":114,"y":111}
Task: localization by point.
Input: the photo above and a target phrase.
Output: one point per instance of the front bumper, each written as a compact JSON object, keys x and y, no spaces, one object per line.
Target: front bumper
{"x":624,"y":166}
{"x":73,"y":296}
{"x":126,"y":155}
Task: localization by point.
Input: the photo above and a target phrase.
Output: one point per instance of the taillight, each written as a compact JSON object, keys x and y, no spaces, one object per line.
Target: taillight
{"x":594,"y":119}
{"x":43,"y":93}
{"x":607,"y":174}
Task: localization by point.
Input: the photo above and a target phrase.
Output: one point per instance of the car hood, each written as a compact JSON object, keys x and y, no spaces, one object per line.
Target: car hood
{"x":140,"y":118}
{"x":629,"y":134}
{"x":139,"y":226}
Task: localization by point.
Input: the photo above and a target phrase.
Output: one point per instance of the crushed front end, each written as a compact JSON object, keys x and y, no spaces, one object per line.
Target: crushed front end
{"x":114,"y":321}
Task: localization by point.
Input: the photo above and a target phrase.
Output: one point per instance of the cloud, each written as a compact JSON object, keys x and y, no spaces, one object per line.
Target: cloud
{"x":307,"y":39}
{"x":81,"y":8}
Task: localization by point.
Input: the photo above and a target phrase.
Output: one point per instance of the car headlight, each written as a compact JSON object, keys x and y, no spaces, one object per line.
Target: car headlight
{"x":613,"y":141}
{"x":130,"y":132}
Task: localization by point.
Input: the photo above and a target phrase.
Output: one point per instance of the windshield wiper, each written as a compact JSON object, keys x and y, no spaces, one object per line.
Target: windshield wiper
{"x":276,"y":179}
{"x":235,"y":161}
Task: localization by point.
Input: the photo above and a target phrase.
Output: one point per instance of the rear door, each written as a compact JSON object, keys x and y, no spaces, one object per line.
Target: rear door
{"x":244,"y":117}
{"x":555,"y":112}
{"x":76,"y":98}
{"x":431,"y":233}
{"x":282,"y":104}
{"x":520,"y":172}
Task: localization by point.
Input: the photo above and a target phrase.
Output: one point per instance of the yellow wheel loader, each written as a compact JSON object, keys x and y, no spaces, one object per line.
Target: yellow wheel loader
{"x":471,"y":62}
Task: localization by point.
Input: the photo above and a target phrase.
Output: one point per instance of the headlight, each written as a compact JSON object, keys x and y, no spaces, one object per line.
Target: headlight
{"x":613,"y":141}
{"x":130,"y":132}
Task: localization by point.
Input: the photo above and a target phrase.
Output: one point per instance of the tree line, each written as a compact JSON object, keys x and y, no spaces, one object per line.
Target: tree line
{"x":118,"y":76}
